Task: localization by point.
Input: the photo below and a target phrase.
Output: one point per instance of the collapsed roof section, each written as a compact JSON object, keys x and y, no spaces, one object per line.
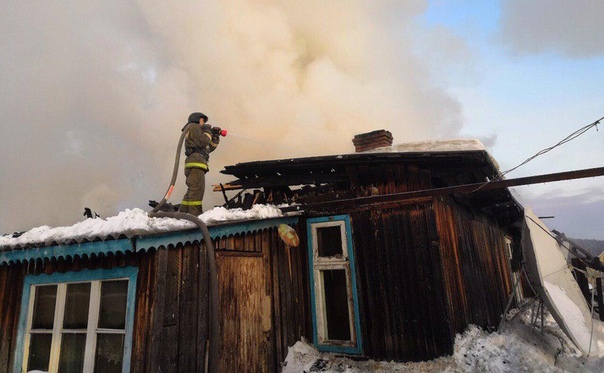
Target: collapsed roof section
{"x":375,"y":171}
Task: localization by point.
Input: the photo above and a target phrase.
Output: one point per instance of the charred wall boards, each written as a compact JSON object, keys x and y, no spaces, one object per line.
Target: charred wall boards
{"x":424,"y":272}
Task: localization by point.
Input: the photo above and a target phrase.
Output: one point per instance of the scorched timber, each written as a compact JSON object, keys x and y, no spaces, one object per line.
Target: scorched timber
{"x":458,"y":189}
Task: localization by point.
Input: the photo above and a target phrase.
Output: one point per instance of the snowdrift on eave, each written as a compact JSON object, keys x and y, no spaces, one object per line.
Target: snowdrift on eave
{"x":549,"y":273}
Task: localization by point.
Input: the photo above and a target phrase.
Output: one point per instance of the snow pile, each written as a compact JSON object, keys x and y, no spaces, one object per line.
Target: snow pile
{"x":221,"y":214}
{"x":518,"y":347}
{"x":130,"y":222}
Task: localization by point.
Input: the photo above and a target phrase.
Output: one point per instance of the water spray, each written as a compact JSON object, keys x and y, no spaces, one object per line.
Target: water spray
{"x":258,"y":142}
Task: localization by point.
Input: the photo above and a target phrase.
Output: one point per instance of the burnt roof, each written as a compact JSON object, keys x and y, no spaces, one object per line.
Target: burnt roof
{"x":459,"y":167}
{"x":447,"y":168}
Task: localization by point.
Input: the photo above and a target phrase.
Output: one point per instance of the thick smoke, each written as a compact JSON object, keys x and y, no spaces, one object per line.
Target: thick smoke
{"x":94,"y":94}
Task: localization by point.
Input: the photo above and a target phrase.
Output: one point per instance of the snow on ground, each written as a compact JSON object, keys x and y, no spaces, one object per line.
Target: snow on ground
{"x":517,"y":347}
{"x":134,"y":221}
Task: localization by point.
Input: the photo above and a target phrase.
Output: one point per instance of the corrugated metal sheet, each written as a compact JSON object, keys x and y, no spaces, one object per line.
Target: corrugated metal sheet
{"x":235,"y":231}
{"x":148,"y":238}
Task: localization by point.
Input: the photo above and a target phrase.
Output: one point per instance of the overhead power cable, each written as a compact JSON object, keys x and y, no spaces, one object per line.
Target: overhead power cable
{"x":568,"y":138}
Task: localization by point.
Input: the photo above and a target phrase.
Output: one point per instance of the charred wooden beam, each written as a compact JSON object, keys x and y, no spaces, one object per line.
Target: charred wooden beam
{"x":353,"y":175}
{"x":459,"y":189}
{"x":284,"y":180}
{"x":486,"y":200}
{"x":443,"y":161}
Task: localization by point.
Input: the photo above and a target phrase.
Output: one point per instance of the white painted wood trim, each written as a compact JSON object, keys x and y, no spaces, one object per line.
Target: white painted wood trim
{"x":30,"y":314}
{"x":55,"y":348}
{"x":322,"y":264}
{"x":93,"y":319}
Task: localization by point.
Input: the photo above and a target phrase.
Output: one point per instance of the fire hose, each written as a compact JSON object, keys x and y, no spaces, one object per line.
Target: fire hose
{"x":213,"y":339}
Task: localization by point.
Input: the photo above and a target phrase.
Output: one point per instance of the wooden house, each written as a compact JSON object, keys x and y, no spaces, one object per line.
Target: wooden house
{"x":139,"y":302}
{"x":380,"y":272}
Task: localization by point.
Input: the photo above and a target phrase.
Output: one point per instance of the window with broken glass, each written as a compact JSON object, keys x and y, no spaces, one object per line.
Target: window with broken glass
{"x":334,"y":290}
{"x":80,"y":326}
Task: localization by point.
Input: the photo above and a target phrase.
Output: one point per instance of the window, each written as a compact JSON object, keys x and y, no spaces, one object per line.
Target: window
{"x":517,"y":285}
{"x":333,"y":285}
{"x":77,"y":322}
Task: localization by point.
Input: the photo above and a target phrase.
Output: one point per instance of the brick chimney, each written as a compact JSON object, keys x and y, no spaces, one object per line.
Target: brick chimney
{"x":372,"y":140}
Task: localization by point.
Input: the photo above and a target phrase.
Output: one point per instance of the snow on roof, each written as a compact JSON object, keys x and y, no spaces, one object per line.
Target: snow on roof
{"x":430,"y":146}
{"x":133,"y":222}
{"x":437,"y":146}
{"x":136,"y":222}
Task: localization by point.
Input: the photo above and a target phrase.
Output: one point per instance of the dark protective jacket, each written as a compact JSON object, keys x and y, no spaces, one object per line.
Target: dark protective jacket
{"x":199,"y":143}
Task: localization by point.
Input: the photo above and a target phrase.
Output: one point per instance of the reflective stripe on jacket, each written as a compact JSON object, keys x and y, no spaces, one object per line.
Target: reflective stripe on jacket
{"x":198,"y":138}
{"x":201,"y":165}
{"x":191,"y":203}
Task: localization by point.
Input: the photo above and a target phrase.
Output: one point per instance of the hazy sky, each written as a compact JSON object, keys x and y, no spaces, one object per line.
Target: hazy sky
{"x":93,"y":94}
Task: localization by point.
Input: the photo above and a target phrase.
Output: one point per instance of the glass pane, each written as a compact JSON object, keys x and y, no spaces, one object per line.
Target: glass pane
{"x":112,"y":313}
{"x":39,"y":352}
{"x":336,"y":305}
{"x":72,"y":353}
{"x":329,"y":240}
{"x":44,"y":307}
{"x":109,"y":353}
{"x":77,"y":303}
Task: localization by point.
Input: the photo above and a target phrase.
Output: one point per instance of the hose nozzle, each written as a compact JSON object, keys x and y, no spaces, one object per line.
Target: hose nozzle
{"x":219,"y":131}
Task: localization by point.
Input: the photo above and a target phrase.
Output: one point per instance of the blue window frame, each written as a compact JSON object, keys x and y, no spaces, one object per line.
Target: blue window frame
{"x":335,"y":311}
{"x":79,"y":321}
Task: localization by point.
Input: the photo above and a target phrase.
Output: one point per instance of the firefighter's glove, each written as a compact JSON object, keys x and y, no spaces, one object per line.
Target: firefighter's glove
{"x":216,"y":134}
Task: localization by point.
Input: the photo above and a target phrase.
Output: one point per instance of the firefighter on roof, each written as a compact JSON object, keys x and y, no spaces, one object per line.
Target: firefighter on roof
{"x":200,"y":140}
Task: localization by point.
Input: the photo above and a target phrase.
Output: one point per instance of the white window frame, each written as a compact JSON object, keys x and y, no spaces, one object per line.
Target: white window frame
{"x":95,"y":278}
{"x":339,"y":262}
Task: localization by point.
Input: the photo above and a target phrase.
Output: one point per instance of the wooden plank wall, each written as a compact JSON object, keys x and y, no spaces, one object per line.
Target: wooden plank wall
{"x":428,"y":269}
{"x":176,"y":322}
{"x":291,"y":293}
{"x":264,"y":306}
{"x":475,"y":265}
{"x":246,"y":318}
{"x":264,"y":302}
{"x":11,"y":287}
{"x":395,"y":178}
{"x":400,"y":284}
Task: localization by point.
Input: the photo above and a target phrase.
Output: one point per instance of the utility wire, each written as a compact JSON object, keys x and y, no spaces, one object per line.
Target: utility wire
{"x":568,"y":138}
